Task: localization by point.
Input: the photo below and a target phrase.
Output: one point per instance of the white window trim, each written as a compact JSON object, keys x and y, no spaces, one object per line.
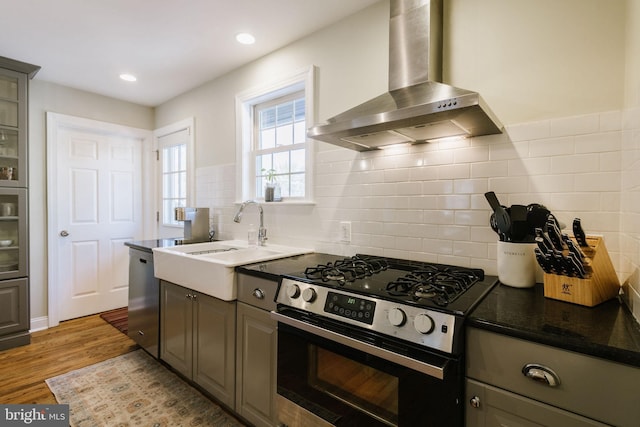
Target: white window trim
{"x":187,"y":123}
{"x":245,"y":170}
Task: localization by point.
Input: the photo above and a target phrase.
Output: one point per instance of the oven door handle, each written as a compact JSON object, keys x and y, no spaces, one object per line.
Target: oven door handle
{"x":407,"y":362}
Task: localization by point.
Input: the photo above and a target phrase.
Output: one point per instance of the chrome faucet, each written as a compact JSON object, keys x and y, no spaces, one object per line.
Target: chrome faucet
{"x":262,"y":232}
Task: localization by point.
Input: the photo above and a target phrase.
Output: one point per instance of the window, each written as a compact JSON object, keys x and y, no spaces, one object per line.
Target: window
{"x":272,"y":142}
{"x":174,"y":174}
{"x":280,"y":140}
{"x":174,"y":181}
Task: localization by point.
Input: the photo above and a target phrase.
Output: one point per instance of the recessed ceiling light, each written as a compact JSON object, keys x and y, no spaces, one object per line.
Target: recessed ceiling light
{"x":128,"y":77}
{"x":245,"y":38}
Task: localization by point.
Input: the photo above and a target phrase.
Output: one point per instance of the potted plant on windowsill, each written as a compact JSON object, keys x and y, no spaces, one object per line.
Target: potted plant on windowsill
{"x":272,"y":187}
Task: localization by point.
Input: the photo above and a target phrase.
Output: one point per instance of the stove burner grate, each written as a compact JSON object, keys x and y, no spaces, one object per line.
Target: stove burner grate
{"x":347,"y":270}
{"x":441,"y":284}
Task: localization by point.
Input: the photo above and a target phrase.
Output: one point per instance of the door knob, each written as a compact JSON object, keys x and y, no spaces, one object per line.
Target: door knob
{"x":64,"y":233}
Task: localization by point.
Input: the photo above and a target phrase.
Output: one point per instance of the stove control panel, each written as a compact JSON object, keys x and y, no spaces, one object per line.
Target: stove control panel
{"x":432,"y":329}
{"x":350,"y":307}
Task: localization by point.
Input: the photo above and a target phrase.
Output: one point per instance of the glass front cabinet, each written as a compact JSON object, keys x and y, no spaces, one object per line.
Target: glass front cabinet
{"x":14,"y":211}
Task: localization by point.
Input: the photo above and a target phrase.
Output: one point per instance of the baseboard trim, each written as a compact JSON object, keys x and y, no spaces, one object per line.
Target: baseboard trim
{"x":39,"y":324}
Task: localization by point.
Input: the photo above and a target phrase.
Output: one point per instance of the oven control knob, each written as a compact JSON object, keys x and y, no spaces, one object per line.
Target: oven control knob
{"x":293,"y":291}
{"x":309,"y":295}
{"x":423,"y":324}
{"x":397,"y":317}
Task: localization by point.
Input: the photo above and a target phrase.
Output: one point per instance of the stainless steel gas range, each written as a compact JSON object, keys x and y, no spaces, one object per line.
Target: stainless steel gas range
{"x":369,"y":340}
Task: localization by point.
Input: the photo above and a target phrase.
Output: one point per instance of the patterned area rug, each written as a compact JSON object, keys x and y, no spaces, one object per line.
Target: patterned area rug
{"x":134,"y":390}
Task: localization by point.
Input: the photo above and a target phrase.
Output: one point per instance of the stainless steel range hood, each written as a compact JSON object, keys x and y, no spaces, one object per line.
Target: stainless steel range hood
{"x":417,"y":108}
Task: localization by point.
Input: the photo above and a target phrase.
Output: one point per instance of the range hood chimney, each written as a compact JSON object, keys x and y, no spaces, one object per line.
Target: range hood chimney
{"x":417,"y":107}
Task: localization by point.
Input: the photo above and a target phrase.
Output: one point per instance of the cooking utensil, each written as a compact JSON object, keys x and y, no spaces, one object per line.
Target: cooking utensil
{"x":519,"y":224}
{"x":579,"y":234}
{"x":537,"y":215}
{"x":503,"y":221}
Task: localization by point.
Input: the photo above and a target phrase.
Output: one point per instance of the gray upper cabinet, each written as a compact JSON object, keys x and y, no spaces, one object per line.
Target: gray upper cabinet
{"x":14,"y":83}
{"x":14,"y":212}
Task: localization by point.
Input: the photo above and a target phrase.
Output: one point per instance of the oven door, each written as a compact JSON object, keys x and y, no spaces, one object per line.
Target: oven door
{"x":331,"y":372}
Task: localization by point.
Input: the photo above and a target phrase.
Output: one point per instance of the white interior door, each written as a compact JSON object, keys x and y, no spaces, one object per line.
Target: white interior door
{"x":98,"y":208}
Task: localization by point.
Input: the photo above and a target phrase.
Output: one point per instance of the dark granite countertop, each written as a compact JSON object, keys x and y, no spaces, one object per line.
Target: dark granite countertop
{"x":272,"y":270}
{"x":608,"y":331}
{"x":148,"y":245}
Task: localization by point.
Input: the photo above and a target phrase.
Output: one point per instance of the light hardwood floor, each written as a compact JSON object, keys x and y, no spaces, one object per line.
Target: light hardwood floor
{"x":71,"y":345}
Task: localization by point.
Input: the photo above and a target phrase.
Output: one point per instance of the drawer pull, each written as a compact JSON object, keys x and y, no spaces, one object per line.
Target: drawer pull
{"x":258,"y":293}
{"x":474,"y":402}
{"x":541,"y":374}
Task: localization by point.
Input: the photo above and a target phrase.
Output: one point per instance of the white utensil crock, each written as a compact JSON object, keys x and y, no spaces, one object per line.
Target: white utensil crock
{"x":517,"y":264}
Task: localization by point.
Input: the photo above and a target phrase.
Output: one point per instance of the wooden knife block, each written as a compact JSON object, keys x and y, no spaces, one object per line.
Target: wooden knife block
{"x":601,"y":283}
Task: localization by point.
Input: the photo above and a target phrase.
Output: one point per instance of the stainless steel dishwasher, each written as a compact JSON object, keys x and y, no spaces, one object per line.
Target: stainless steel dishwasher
{"x":144,"y":301}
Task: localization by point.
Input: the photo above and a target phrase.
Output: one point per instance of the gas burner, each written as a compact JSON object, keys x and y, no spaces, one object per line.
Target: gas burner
{"x":347,"y":270}
{"x":439,"y":283}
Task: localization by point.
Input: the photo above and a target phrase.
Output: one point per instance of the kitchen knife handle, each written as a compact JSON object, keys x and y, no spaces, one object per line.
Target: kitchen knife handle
{"x":555,"y":235}
{"x":579,"y":234}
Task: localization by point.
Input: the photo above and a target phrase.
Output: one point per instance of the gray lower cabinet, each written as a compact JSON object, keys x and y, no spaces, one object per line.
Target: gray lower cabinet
{"x":14,"y":313}
{"x":257,"y":341}
{"x":562,"y":388}
{"x":197,"y":338}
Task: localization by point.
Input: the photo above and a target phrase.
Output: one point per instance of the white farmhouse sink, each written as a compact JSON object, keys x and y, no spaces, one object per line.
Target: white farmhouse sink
{"x":209,"y":267}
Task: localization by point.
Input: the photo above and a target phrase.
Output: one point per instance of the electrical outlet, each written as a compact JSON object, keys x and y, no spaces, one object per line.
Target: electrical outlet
{"x":345,"y":231}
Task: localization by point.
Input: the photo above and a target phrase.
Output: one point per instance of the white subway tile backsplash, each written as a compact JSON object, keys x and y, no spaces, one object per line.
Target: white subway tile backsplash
{"x":489,"y":169}
{"x":506,"y":184}
{"x":470,"y":249}
{"x":453,"y":202}
{"x":427,"y":201}
{"x":529,"y":131}
{"x":598,"y":143}
{"x":563,"y":183}
{"x":579,"y":202}
{"x":454,"y":171}
{"x":610,"y":121}
{"x":471,"y":155}
{"x":579,"y":163}
{"x":471,"y":217}
{"x":437,"y":187}
{"x":552,"y":147}
{"x":397,"y":175}
{"x":409,"y":188}
{"x":470,"y":186}
{"x":610,"y":162}
{"x":604,"y":181}
{"x":529,"y":166}
{"x":577,"y":125}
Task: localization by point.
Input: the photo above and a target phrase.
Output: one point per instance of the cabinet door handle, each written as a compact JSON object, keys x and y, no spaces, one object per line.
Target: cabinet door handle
{"x":474,"y":402}
{"x":542,"y":374}
{"x":258,"y":293}
{"x":64,"y":233}
{"x":142,"y":260}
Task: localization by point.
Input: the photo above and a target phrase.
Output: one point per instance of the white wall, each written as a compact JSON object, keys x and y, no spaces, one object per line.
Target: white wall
{"x":534,"y":60}
{"x":552,"y":71}
{"x":44,"y":97}
{"x":630,"y":207}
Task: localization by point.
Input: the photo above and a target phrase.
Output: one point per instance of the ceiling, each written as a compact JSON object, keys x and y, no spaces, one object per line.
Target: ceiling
{"x":170,"y":45}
